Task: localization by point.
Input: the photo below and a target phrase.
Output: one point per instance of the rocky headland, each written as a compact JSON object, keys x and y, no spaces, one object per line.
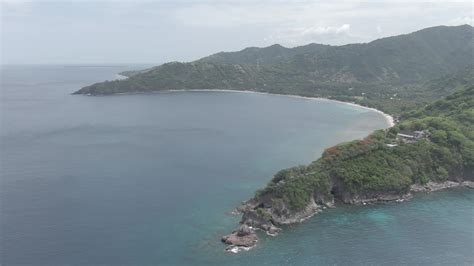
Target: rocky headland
{"x":260,"y":215}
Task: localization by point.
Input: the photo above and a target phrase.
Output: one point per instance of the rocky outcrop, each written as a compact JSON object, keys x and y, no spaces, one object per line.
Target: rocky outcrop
{"x":268,"y":213}
{"x":434,"y":186}
{"x":383,"y":196}
{"x":281,"y":214}
{"x":345,"y":196}
{"x":244,"y":236}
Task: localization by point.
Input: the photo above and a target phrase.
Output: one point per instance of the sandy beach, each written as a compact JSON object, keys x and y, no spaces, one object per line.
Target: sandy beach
{"x":390,"y":120}
{"x":120,"y":77}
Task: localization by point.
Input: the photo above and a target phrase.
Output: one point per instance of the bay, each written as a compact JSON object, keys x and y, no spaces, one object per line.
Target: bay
{"x":151,"y":179}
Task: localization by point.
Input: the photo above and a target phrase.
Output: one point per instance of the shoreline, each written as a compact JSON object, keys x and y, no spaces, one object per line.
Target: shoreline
{"x":414,"y":189}
{"x":388,"y":118}
{"x":120,"y":77}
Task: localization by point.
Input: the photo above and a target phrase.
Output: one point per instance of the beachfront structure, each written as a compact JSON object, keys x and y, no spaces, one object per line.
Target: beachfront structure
{"x":412,"y":136}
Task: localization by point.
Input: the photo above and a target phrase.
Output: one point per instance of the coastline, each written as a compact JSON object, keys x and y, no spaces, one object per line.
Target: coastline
{"x":256,"y":222}
{"x":120,"y":77}
{"x":415,"y":188}
{"x":390,"y":120}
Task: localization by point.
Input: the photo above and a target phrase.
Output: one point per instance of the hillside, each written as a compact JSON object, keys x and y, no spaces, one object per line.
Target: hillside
{"x":363,"y":73}
{"x":386,"y":165}
{"x":360,"y":169}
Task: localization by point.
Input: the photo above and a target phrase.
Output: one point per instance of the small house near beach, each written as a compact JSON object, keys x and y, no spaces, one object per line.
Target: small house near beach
{"x":411,"y":136}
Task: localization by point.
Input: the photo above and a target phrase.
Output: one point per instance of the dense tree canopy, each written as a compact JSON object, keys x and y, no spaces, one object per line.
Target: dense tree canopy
{"x":368,"y":167}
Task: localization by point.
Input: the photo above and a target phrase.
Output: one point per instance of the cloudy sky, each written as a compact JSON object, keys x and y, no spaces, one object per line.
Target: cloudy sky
{"x":112,"y":31}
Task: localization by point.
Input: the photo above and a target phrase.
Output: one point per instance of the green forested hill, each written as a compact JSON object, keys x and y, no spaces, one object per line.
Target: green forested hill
{"x":381,"y":166}
{"x":363,"y":73}
{"x":273,"y":54}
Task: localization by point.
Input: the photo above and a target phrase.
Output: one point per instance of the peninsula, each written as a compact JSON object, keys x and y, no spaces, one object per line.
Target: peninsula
{"x":429,"y":149}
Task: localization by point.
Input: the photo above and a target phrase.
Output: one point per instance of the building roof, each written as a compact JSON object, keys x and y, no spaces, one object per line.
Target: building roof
{"x":405,"y":136}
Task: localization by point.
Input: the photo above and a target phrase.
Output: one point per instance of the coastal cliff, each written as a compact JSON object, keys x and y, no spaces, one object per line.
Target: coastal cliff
{"x":429,"y":149}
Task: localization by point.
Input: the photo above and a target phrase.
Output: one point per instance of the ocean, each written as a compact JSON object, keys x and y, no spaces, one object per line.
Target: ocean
{"x":151,"y":179}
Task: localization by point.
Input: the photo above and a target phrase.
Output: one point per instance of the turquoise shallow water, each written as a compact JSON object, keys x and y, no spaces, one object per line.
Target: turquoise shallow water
{"x":150,"y":179}
{"x":430,"y":229}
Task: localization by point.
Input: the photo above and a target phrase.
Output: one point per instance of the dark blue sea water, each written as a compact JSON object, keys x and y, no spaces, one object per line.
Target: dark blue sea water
{"x":151,"y":179}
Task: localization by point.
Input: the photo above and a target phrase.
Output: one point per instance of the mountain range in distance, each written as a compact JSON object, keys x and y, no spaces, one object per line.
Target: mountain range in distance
{"x":393,"y":74}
